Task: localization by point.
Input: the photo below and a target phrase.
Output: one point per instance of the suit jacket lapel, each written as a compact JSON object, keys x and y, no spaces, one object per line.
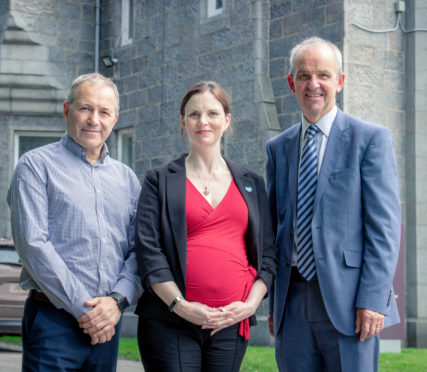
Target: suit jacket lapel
{"x":335,"y":147}
{"x":176,"y":197}
{"x":292,"y":147}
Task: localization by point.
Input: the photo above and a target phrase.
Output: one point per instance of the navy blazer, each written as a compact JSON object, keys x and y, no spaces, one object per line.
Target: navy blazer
{"x":161,"y":231}
{"x":356,"y":219}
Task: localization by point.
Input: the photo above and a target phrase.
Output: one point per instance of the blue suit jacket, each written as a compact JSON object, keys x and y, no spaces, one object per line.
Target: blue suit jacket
{"x":356,"y":219}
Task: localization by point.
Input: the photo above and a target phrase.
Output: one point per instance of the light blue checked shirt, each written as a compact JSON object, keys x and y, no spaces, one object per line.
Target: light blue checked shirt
{"x":73,"y":225}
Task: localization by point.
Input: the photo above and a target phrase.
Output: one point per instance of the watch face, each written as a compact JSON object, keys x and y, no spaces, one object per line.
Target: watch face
{"x":123,"y":304}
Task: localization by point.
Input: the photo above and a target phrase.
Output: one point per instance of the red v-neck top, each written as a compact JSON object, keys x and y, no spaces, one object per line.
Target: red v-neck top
{"x":218,"y":271}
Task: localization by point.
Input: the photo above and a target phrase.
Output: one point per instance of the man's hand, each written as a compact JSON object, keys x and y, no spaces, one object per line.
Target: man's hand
{"x":99,"y":322}
{"x":270,"y":324}
{"x":368,"y":322}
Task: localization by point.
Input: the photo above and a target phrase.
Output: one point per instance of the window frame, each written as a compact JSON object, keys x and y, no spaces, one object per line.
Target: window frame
{"x":121,"y":134}
{"x":29,"y":133}
{"x":212,"y":10}
{"x":127,"y":22}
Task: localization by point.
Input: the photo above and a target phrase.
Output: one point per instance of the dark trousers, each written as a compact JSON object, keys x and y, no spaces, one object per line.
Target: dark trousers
{"x":168,"y":347}
{"x":308,"y":341}
{"x":53,"y":342}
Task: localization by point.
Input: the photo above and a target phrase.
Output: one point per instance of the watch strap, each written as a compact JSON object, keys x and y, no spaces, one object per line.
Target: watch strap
{"x":175,"y":302}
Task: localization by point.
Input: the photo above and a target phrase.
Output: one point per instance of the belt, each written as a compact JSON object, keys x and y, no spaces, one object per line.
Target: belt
{"x":39,"y":297}
{"x":297,"y":277}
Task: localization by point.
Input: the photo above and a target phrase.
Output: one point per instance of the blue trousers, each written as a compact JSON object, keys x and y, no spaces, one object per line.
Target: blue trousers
{"x":53,"y":342}
{"x":167,"y":347}
{"x":308,"y":341}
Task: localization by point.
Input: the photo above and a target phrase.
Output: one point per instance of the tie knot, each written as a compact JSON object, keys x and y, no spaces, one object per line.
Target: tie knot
{"x":311,"y":131}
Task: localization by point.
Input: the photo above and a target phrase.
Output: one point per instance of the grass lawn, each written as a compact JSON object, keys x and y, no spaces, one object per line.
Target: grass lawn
{"x":261,"y":359}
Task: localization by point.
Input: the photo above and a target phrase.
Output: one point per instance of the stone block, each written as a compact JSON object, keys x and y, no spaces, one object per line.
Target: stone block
{"x":125,"y":68}
{"x":278,"y":68}
{"x":243,"y":111}
{"x":208,"y":62}
{"x":127,"y":118}
{"x":88,"y":13}
{"x":283,"y":8}
{"x":57,"y":55}
{"x":146,"y":46}
{"x":247,"y":33}
{"x":243,"y":92}
{"x":138,"y":99}
{"x":21,"y":52}
{"x":81,"y":30}
{"x":225,"y":38}
{"x":276,"y":29}
{"x":149,"y":78}
{"x":247,"y":71}
{"x":155,"y":94}
{"x":142,"y":28}
{"x":170,"y":109}
{"x":240,"y":15}
{"x":280,"y":47}
{"x":280,"y":86}
{"x":139,"y":64}
{"x":148,"y":114}
{"x":226,"y":75}
{"x":10,"y":67}
{"x":215,"y":24}
{"x":69,"y":11}
{"x":187,"y":69}
{"x":225,"y":58}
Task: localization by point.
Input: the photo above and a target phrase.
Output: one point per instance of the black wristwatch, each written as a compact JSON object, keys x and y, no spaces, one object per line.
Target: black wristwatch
{"x":122,"y":301}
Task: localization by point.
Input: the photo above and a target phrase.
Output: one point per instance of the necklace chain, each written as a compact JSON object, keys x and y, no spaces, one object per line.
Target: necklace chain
{"x":205,"y":191}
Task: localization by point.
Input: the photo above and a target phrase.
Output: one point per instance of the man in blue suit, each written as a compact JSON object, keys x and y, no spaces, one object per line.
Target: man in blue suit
{"x":333,"y":192}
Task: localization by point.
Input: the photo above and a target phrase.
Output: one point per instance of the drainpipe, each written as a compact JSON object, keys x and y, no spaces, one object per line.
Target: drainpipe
{"x":97,"y":25}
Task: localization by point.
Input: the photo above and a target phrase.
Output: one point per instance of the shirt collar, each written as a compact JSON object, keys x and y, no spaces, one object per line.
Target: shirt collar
{"x":79,"y":152}
{"x":324,"y":124}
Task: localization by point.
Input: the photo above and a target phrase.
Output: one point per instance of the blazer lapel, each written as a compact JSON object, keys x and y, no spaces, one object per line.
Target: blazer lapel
{"x":292,"y":147}
{"x":176,"y":197}
{"x":335,"y":147}
{"x":246,"y":186}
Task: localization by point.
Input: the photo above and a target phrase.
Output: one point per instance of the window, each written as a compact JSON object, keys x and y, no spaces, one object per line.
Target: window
{"x":127,"y":22}
{"x":215,"y":7}
{"x":125,"y":146}
{"x":25,"y":141}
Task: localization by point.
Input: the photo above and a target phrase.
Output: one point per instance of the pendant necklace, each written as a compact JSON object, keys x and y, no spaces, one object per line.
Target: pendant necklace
{"x":205,"y":191}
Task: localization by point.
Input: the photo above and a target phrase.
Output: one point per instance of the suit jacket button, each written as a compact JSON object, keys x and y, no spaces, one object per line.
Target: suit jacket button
{"x":287,"y":263}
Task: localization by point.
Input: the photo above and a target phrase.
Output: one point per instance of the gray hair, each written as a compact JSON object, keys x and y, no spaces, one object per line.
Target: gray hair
{"x":310,"y":41}
{"x":93,"y":77}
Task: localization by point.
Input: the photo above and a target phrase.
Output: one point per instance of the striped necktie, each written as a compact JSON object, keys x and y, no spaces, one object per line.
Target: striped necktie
{"x":306,"y":192}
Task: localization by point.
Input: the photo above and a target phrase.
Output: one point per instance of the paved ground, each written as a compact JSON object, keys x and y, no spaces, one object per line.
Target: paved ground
{"x":10,"y":361}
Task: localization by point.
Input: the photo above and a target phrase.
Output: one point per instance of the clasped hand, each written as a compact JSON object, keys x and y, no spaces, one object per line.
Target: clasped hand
{"x":214,"y":318}
{"x":99,"y":323}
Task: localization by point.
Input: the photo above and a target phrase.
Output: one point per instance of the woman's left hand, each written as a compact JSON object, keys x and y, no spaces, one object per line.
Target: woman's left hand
{"x":228,"y":315}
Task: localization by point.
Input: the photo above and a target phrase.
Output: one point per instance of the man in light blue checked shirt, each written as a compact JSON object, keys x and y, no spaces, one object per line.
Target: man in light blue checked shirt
{"x":73,"y":214}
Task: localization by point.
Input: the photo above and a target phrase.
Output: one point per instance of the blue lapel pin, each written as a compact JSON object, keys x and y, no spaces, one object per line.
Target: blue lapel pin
{"x":248,"y":188}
